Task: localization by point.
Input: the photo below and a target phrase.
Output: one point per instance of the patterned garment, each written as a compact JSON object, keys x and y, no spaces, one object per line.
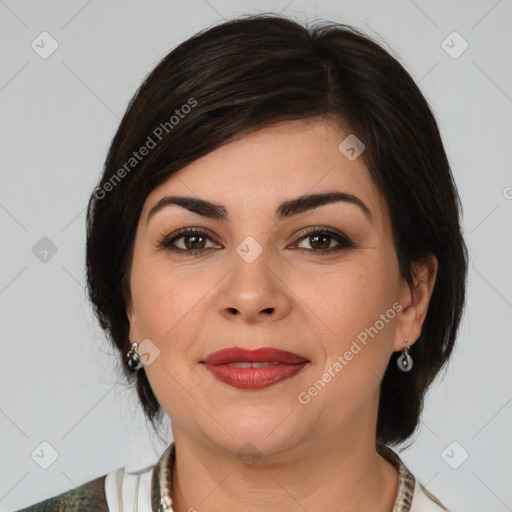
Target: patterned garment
{"x":88,"y":497}
{"x":408,"y":488}
{"x":96,"y":494}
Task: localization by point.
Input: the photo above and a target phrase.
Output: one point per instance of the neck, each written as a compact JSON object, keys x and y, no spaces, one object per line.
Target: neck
{"x":322,"y":474}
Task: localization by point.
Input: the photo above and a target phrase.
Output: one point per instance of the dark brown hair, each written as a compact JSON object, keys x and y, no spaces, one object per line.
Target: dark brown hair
{"x":249,"y":73}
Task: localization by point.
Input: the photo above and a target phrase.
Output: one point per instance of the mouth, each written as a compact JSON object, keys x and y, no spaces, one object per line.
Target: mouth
{"x":273,"y":356}
{"x":253,"y":369}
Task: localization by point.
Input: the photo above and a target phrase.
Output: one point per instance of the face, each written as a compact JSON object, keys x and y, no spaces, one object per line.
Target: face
{"x":320,"y":282}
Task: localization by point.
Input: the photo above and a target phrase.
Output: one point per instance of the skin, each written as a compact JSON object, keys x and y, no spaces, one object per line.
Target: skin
{"x":318,"y":456}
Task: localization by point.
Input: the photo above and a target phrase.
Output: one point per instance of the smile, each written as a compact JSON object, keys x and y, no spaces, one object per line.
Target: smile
{"x":253,"y":369}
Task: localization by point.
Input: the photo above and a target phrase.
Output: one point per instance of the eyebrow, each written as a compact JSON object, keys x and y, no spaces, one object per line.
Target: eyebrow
{"x":285,"y":210}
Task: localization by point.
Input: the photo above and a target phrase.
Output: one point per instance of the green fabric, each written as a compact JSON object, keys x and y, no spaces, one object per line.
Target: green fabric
{"x":86,"y":498}
{"x":91,"y":497}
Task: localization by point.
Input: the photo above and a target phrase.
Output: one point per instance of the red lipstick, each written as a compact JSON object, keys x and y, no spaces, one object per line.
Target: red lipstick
{"x":253,"y":369}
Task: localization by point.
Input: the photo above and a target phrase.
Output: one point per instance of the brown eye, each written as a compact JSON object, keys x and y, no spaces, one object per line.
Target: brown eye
{"x":194,"y":241}
{"x":320,"y":241}
{"x":189,"y":241}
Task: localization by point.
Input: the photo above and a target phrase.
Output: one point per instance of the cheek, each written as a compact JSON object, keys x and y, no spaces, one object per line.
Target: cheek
{"x":168,"y":310}
{"x":171,"y":308}
{"x":356,"y":303}
{"x":350,"y":302}
{"x":161,"y":298}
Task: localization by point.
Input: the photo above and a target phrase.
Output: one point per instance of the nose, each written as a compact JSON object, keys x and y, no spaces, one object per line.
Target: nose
{"x":254,"y":293}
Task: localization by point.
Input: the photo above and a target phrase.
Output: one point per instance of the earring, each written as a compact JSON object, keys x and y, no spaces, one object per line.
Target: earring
{"x":133,"y":360}
{"x":404,"y":362}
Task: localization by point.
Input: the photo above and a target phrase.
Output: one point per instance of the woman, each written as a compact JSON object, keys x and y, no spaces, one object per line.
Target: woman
{"x":274,"y":247}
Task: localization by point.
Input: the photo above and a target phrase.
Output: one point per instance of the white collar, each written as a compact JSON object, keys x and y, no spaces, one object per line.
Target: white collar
{"x":139,"y":490}
{"x":129,"y":491}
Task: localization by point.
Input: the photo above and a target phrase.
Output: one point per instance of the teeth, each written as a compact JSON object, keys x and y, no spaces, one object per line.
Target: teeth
{"x":245,"y":364}
{"x":261,"y":365}
{"x":241,"y":365}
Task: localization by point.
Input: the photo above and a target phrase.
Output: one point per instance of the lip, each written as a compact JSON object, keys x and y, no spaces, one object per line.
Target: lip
{"x":260,"y":355}
{"x":289,"y":364}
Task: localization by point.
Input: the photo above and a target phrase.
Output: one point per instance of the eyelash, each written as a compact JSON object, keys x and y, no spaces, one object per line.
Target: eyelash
{"x":345,"y":243}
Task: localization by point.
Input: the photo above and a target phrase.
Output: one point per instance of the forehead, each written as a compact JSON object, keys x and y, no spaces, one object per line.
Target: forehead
{"x":273,"y":164}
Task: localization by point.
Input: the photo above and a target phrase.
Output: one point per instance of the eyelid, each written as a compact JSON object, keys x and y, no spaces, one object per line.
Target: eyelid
{"x":166,"y":240}
{"x":318,"y":229}
{"x":344,"y":242}
{"x":340,"y":237}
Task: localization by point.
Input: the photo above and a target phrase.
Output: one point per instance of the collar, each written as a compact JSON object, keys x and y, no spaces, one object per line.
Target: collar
{"x":406,"y":480}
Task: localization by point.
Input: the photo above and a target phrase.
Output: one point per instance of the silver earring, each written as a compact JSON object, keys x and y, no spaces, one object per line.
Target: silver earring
{"x":404,"y":362}
{"x":133,"y":359}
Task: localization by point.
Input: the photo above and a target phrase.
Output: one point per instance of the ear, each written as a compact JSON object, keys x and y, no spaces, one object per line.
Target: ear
{"x":415,"y":299}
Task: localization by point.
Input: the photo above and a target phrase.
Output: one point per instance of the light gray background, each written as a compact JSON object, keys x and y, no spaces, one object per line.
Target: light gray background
{"x":58,"y":115}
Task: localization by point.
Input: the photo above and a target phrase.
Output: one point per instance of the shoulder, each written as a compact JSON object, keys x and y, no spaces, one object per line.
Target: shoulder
{"x":88,"y":496}
{"x":113,"y":492}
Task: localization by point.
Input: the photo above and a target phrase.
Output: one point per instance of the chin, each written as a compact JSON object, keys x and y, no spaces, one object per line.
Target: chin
{"x":256,"y":434}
